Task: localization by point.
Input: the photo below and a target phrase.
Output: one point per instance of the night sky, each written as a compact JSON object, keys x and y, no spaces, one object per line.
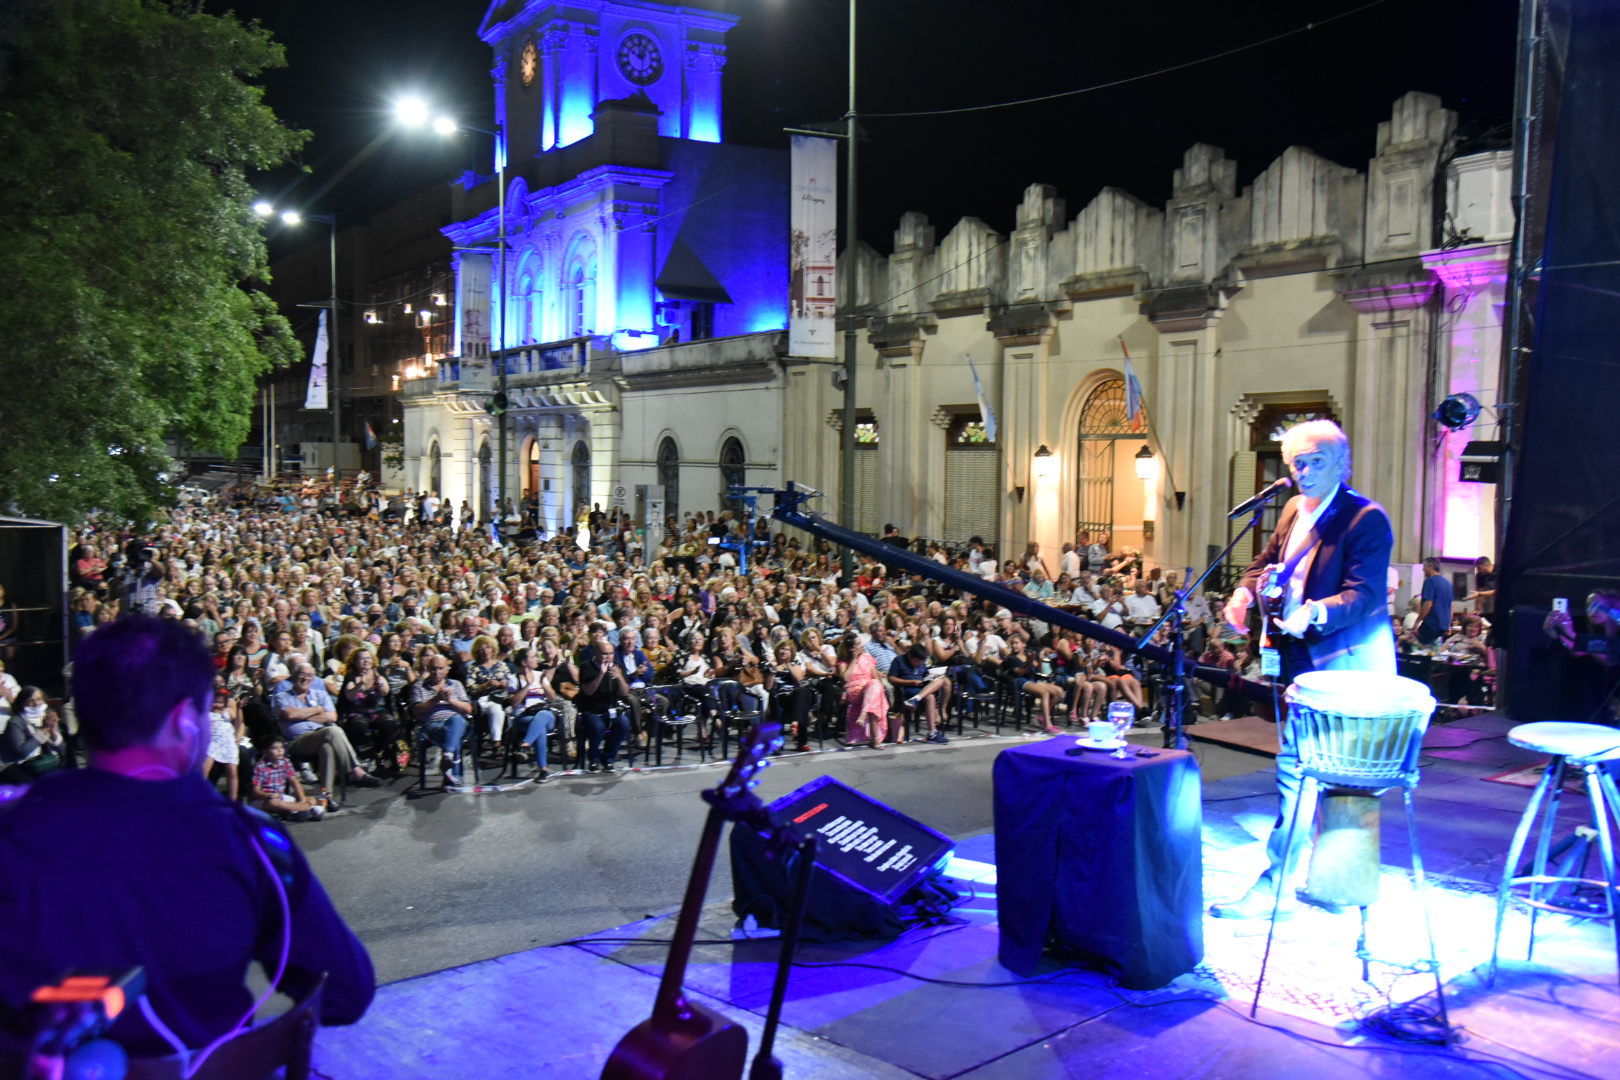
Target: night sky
{"x":1325,"y":88}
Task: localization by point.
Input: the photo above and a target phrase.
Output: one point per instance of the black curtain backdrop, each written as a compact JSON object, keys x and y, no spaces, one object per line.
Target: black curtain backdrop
{"x":1562,"y":533}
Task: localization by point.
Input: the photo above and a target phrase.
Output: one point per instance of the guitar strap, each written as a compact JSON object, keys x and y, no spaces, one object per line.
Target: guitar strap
{"x":1329,"y":527}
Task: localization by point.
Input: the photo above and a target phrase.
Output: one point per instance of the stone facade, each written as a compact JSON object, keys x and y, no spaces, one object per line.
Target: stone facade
{"x":1316,"y":288}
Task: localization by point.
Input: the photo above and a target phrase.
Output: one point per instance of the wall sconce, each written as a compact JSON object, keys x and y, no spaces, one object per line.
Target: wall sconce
{"x":438,"y":299}
{"x":408,"y":309}
{"x":371,"y":318}
{"x":1045,"y":463}
{"x":1146,"y":467}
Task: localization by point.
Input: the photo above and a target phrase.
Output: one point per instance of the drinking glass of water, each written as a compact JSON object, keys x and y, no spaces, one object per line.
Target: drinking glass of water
{"x":1121,"y":716}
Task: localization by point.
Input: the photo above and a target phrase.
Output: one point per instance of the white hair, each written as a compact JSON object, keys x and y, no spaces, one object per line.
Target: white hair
{"x":1323,"y":434}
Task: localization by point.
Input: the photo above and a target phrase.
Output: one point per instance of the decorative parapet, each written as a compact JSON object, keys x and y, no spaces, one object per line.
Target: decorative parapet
{"x":1400,"y":287}
{"x":898,"y":335}
{"x":1469,"y":269}
{"x":1192,"y":307}
{"x":1023,"y":324}
{"x":1128,"y":281}
{"x":727,"y":359}
{"x":967,"y":302}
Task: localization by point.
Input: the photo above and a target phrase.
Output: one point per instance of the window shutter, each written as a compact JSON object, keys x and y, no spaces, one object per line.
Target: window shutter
{"x":1241,"y":484}
{"x":866,"y":488}
{"x":972,"y":501}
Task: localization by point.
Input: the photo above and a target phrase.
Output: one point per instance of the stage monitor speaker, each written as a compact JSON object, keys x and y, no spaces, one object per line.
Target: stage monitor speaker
{"x":876,"y":869}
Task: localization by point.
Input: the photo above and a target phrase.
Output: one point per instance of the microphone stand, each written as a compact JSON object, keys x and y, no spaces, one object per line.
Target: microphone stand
{"x":1175,"y":736}
{"x":766,"y":1066}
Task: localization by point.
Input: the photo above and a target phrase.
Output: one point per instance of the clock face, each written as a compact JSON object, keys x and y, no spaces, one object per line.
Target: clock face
{"x":528,"y":61}
{"x":640,"y":60}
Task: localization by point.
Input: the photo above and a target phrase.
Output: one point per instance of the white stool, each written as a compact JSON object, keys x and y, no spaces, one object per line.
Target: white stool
{"x":1586,"y":747}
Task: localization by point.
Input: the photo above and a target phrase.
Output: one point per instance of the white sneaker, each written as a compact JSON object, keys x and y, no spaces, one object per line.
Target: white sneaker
{"x":317,"y":811}
{"x":307,"y":775}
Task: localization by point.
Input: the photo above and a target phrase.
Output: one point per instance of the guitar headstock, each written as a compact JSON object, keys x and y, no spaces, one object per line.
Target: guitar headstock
{"x":735,"y":795}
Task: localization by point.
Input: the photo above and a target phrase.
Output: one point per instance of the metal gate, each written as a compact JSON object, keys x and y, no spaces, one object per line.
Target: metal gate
{"x":1102,"y":423}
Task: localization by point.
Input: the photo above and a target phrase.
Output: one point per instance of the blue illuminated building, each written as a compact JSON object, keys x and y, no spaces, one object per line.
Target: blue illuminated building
{"x":644,"y":300}
{"x":627,"y":218}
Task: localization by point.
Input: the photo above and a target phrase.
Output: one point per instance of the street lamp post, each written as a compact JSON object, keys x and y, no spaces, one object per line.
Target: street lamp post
{"x":333,"y":369}
{"x":846,"y":441}
{"x":413,"y":112}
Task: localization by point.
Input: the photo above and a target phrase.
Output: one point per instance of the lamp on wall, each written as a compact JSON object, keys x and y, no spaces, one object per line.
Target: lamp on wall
{"x":1146,"y":466}
{"x":1045,"y":463}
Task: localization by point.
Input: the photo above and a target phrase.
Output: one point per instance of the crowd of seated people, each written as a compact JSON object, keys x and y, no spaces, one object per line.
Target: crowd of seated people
{"x":362,"y":640}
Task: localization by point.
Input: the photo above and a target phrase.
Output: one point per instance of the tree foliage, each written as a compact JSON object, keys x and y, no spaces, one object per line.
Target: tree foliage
{"x":128,"y":246}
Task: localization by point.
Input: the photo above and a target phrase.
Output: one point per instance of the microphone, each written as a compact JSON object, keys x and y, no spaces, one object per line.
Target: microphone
{"x":1261,"y":497}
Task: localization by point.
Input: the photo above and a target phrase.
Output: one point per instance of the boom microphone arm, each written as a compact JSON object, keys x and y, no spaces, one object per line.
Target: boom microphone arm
{"x":788,"y":511}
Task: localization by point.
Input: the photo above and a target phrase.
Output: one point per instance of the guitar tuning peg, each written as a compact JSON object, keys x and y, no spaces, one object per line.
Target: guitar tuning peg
{"x":765,"y":764}
{"x":752,"y":784}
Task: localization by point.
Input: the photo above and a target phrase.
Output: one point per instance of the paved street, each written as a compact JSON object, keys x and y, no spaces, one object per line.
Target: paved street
{"x":440,"y":880}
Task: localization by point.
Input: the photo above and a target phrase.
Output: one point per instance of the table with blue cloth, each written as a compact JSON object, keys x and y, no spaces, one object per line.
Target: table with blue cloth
{"x":1100,"y":859}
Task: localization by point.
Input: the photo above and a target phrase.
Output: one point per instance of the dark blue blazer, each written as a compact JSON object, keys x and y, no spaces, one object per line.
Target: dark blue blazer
{"x":1349,"y":574}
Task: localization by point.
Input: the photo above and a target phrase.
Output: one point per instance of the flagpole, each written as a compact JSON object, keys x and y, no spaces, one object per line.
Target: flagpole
{"x":1147,"y":417}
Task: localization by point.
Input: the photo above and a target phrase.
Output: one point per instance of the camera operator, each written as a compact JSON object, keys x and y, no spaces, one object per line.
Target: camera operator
{"x":142,"y":578}
{"x":138,"y":860}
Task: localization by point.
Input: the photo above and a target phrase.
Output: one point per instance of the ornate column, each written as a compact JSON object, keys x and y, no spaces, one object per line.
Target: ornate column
{"x":1388,"y":393}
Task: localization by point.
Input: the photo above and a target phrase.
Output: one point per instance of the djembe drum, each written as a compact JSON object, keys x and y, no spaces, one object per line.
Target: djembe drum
{"x":1357,"y":734}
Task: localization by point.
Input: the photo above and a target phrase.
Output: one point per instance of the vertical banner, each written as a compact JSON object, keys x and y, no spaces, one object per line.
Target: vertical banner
{"x":813,"y":249}
{"x":315,"y":396}
{"x":473,"y":280}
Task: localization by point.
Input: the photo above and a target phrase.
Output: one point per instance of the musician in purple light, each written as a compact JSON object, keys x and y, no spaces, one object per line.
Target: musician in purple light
{"x":1321,"y":586}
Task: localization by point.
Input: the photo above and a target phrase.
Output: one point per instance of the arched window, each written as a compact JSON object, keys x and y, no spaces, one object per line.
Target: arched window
{"x":582,"y":478}
{"x":434,"y":477}
{"x":732,"y":471}
{"x":579,"y":288}
{"x":526,"y":301}
{"x":486,"y":483}
{"x":669,"y":474}
{"x":531,"y":469}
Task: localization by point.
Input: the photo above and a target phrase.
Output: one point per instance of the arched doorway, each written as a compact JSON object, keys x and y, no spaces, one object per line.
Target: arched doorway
{"x":733,"y":472}
{"x":581,"y":462}
{"x":531,"y":467}
{"x":435,"y":480}
{"x":486,"y":483}
{"x":669,"y":475}
{"x":1108,"y":439}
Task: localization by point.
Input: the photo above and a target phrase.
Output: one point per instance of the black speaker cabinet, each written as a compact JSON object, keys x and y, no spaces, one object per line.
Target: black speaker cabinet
{"x":875,"y":867}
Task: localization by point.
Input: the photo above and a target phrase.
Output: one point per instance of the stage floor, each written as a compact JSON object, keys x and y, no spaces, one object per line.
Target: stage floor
{"x":936,"y":1003}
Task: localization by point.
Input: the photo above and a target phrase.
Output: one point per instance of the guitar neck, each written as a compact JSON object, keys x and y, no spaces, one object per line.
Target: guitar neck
{"x":670,"y":1006}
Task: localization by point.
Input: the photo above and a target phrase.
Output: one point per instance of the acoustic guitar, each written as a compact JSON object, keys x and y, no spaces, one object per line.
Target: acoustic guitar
{"x":1271,"y":594}
{"x":684,"y":1040}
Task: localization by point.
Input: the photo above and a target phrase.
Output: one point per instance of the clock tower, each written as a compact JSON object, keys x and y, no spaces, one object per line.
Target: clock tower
{"x":556,"y":62}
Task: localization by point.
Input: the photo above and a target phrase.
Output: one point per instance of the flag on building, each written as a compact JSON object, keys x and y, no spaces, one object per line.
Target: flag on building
{"x":985,"y":413}
{"x":371,"y":436}
{"x":1134,"y":406}
{"x":315,"y":396}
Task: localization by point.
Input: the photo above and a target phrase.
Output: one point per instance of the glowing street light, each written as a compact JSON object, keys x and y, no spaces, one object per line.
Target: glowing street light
{"x":415,"y":112}
{"x":333,"y":369}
